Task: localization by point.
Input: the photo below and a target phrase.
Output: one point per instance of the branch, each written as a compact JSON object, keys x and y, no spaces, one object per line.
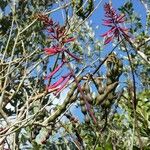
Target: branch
{"x":62,"y":108}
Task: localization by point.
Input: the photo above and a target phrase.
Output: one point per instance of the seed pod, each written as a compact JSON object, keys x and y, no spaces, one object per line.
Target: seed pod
{"x":99,"y":85}
{"x":87,"y":119}
{"x":69,"y":94}
{"x":82,"y":102}
{"x":80,"y":96}
{"x":108,"y":74}
{"x":98,"y":99}
{"x":87,"y":87}
{"x":74,"y":97}
{"x":79,"y":78}
{"x":83,"y":109}
{"x":115,"y":70}
{"x":100,"y":90}
{"x":98,"y":81}
{"x":102,"y":97}
{"x":74,"y":85}
{"x":111,"y":96}
{"x":88,"y":98}
{"x":106,"y":104}
{"x":109,"y":81}
{"x":83,"y":88}
{"x":120,"y":64}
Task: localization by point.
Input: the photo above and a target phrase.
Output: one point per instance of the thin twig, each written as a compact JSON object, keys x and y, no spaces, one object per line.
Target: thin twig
{"x":134,"y":100}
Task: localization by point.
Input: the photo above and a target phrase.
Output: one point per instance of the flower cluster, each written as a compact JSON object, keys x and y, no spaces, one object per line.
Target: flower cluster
{"x":59,"y":35}
{"x":113,"y":20}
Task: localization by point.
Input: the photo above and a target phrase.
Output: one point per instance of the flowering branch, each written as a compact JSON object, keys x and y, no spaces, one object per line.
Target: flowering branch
{"x":114,"y":21}
{"x":60,"y":37}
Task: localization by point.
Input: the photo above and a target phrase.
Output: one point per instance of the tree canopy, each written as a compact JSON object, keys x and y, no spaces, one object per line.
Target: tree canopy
{"x":65,"y":86}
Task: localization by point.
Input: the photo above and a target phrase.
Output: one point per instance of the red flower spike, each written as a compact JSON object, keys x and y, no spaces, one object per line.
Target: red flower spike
{"x":113,"y":20}
{"x":56,"y":84}
{"x":109,"y":11}
{"x":53,"y":72}
{"x":59,"y":35}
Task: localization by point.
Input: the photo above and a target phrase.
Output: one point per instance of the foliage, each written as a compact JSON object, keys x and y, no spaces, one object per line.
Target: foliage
{"x":60,"y":87}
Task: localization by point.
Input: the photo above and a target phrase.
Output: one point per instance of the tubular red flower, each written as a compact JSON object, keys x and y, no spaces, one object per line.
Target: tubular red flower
{"x":63,"y":84}
{"x":58,"y":85}
{"x":109,"y":32}
{"x":120,"y":18}
{"x":53,"y":50}
{"x":108,"y":39}
{"x":53,"y":72}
